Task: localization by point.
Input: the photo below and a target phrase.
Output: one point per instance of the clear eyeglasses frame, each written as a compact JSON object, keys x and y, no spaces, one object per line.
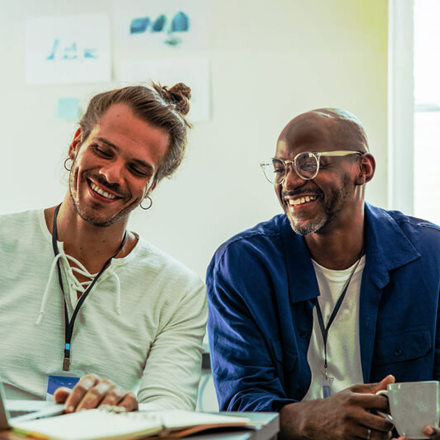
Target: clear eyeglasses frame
{"x":306,"y":165}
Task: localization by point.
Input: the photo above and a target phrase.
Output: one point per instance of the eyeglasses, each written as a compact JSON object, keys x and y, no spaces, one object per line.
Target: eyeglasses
{"x":306,"y":165}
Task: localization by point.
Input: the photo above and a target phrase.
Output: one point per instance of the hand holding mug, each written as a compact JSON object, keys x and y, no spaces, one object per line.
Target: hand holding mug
{"x":414,"y":408}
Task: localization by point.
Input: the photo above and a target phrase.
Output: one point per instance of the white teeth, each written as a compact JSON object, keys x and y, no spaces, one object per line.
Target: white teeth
{"x":101,"y":192}
{"x":301,"y":200}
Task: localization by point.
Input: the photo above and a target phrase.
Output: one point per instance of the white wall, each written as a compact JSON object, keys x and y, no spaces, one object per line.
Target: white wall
{"x":270,"y":60}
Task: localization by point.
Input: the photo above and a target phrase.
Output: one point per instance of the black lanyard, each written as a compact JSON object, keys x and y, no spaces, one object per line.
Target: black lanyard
{"x":70,"y":325}
{"x":325,"y":329}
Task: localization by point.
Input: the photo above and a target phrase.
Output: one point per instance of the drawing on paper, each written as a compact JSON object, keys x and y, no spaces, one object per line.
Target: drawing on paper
{"x":69,"y":49}
{"x":168,"y":25}
{"x":140,"y":25}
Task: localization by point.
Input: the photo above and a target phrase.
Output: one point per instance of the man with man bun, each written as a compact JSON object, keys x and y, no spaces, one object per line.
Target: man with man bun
{"x":80,"y":294}
{"x":315,"y":310}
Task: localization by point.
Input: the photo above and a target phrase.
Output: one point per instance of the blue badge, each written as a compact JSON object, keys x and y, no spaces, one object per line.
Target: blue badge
{"x":326,"y":391}
{"x":54,"y":382}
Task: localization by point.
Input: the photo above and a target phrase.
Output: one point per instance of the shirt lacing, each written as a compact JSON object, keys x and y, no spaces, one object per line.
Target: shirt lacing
{"x":74,"y":282}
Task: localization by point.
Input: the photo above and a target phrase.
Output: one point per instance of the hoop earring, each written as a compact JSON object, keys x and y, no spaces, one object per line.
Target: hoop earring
{"x":65,"y":164}
{"x":149,"y":206}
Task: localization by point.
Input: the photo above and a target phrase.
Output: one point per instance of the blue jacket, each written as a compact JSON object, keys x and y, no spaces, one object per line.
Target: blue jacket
{"x":262,"y":289}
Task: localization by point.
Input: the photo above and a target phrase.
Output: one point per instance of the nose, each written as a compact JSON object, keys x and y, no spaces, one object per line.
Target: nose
{"x":291,"y":178}
{"x":112,"y":171}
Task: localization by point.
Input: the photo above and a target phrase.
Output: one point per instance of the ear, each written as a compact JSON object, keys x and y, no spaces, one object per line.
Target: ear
{"x":150,"y":189}
{"x":367,"y":167}
{"x":74,"y":145}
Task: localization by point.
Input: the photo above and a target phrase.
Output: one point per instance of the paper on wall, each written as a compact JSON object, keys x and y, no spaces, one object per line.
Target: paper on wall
{"x":194,"y":72}
{"x":69,"y":49}
{"x":68,"y":109}
{"x":141,"y":25}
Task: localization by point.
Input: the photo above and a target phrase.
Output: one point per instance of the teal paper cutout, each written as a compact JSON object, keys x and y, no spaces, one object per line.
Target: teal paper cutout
{"x":68,"y":109}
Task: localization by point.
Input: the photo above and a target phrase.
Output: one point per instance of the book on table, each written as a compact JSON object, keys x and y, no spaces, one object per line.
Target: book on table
{"x":107,"y":424}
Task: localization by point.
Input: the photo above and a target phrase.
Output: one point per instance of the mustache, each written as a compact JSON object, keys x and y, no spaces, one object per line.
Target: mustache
{"x":113,"y":187}
{"x":302,"y":191}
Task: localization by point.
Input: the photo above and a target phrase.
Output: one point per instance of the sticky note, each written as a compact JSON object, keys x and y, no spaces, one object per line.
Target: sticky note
{"x":68,"y":109}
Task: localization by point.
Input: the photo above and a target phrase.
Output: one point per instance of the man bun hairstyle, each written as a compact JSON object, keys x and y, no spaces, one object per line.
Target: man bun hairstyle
{"x":162,"y":107}
{"x":179,"y":95}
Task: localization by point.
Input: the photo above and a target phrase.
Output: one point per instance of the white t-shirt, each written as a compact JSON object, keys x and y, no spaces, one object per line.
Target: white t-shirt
{"x":141,"y":326}
{"x":343,"y":352}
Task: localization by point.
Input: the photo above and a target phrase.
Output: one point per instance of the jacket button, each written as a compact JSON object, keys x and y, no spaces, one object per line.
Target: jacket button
{"x":397,"y":352}
{"x":303,"y":334}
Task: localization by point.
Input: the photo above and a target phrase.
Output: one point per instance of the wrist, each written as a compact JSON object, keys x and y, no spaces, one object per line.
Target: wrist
{"x":296,"y":420}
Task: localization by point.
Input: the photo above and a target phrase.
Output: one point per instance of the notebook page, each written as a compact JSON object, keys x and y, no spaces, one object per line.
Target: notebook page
{"x":92,"y":425}
{"x":175,"y":419}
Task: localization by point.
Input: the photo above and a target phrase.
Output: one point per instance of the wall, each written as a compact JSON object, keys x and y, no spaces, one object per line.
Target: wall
{"x":269,"y":62}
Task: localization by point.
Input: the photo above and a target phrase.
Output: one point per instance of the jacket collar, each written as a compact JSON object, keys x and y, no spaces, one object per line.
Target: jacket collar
{"x":386,"y":248}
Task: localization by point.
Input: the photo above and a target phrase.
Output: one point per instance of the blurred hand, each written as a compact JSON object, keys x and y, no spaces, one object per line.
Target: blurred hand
{"x":429,"y":431}
{"x":92,"y":392}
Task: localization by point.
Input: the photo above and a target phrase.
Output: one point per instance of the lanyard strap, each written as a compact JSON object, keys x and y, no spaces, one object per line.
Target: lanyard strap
{"x":325,"y":329}
{"x":68,"y":326}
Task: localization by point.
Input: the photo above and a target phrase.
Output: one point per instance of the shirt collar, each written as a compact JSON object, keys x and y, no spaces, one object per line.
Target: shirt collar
{"x":386,"y":248}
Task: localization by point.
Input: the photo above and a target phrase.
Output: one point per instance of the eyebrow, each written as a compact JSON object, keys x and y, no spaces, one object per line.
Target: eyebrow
{"x":141,"y":163}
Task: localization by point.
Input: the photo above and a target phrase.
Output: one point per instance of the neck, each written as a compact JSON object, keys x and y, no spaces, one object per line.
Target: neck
{"x":91,"y":245}
{"x":339,"y":247}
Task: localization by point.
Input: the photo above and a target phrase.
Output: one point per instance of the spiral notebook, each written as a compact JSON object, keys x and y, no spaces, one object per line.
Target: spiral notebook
{"x":106,"y":424}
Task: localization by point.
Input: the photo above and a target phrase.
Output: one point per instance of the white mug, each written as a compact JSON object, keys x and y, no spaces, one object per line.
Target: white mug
{"x":413,"y":405}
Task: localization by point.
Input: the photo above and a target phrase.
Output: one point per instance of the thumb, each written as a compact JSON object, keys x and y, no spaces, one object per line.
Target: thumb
{"x":382,"y":385}
{"x":373,"y":388}
{"x":61,"y":394}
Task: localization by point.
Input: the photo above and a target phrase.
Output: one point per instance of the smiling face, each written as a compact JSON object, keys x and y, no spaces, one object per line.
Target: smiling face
{"x":332,"y":198}
{"x":114,"y":168}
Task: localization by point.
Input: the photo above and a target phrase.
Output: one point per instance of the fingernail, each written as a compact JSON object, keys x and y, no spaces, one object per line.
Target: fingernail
{"x":70,"y":409}
{"x":87,"y":384}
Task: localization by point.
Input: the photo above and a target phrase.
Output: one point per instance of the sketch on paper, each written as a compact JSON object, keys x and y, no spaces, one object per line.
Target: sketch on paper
{"x":158,"y":24}
{"x":169,"y":26}
{"x":68,"y":49}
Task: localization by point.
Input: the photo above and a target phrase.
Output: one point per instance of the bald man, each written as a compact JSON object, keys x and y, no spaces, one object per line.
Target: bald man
{"x":315,"y":310}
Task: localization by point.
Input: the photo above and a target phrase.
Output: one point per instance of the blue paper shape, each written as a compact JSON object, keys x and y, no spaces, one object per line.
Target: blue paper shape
{"x":180,"y":23}
{"x":68,"y":109}
{"x":159,"y":23}
{"x":139,"y":25}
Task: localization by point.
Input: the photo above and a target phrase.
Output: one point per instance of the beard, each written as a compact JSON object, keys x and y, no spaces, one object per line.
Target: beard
{"x":309,"y":227}
{"x":303,"y":225}
{"x":91,"y":214}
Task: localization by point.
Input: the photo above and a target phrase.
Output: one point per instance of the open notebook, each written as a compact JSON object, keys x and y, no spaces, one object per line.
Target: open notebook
{"x":104,"y":424}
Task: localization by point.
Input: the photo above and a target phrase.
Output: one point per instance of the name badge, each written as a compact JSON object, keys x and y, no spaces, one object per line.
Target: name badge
{"x":58,"y":379}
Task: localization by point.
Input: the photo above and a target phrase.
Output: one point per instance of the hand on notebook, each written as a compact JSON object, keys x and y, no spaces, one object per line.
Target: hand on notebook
{"x":92,"y":391}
